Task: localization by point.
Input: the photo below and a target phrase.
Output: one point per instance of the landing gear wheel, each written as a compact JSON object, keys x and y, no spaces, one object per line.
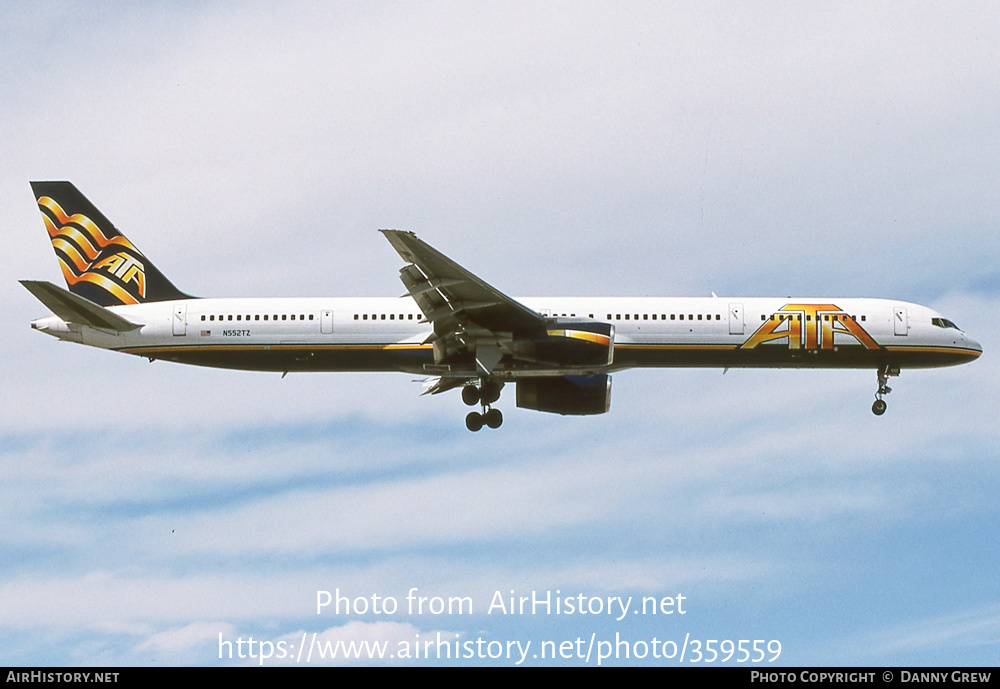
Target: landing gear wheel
{"x":484,"y":394}
{"x":878,"y":407}
{"x":493,"y":418}
{"x":489,"y":392}
{"x":470,"y":395}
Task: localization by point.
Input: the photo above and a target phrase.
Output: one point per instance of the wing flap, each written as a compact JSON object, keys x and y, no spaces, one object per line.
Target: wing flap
{"x":435,"y":386}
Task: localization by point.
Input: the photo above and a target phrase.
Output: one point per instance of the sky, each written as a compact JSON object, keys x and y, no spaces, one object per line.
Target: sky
{"x":155,"y":514}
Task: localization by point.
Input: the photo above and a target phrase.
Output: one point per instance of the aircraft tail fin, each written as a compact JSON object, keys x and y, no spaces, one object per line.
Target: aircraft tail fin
{"x":75,"y":309}
{"x":98,"y":262}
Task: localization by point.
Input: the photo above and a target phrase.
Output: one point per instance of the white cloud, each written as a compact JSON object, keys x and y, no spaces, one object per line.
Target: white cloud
{"x":183,"y":640}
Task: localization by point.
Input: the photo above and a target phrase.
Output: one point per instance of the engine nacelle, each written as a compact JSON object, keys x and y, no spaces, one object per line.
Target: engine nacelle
{"x":569,"y":344}
{"x":567,"y":395}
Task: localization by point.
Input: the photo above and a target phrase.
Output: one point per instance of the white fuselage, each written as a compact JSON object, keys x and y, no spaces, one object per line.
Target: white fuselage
{"x":391,"y":334}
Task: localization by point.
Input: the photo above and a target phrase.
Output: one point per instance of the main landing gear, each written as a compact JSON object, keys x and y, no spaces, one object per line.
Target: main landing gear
{"x":486,"y":394}
{"x":879,"y":406}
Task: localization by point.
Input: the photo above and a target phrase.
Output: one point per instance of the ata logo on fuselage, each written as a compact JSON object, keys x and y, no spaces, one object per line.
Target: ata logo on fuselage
{"x":811,"y":327}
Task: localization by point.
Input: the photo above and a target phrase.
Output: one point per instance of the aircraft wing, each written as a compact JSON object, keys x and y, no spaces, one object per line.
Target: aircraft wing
{"x":457,"y":302}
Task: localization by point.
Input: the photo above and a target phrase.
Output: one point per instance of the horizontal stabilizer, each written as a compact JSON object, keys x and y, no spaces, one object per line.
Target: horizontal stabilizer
{"x":75,"y":309}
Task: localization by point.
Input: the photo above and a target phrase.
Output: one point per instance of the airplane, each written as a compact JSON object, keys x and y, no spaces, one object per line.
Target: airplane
{"x":461,"y":332}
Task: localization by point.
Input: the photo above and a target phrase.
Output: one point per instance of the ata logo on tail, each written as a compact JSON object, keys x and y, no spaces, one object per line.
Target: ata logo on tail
{"x":87,"y":254}
{"x":811,"y":327}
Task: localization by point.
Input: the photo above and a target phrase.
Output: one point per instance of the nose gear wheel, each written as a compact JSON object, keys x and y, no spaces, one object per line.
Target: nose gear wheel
{"x":879,"y":406}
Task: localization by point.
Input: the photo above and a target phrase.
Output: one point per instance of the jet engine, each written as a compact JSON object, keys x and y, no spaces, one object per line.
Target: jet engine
{"x":567,"y":395}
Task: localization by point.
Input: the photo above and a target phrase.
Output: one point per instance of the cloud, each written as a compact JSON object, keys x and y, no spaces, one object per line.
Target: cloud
{"x":935,"y":638}
{"x":184,"y":640}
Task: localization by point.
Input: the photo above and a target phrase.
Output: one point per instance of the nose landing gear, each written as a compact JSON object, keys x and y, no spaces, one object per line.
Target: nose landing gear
{"x":879,"y":406}
{"x":486,"y":394}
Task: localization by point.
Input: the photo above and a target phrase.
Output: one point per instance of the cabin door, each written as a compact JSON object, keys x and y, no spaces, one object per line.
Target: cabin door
{"x":736,"y":319}
{"x":899,"y":323}
{"x":180,"y":319}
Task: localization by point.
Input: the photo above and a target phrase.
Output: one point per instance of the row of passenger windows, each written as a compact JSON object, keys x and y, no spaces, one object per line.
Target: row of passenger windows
{"x":258,"y":317}
{"x":798,"y":317}
{"x":663,"y":317}
{"x":717,"y":317}
{"x":617,"y":317}
{"x":391,"y":317}
{"x":309,"y":317}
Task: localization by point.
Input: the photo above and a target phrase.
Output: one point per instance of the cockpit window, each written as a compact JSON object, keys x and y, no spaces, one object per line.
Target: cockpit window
{"x":944,"y":323}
